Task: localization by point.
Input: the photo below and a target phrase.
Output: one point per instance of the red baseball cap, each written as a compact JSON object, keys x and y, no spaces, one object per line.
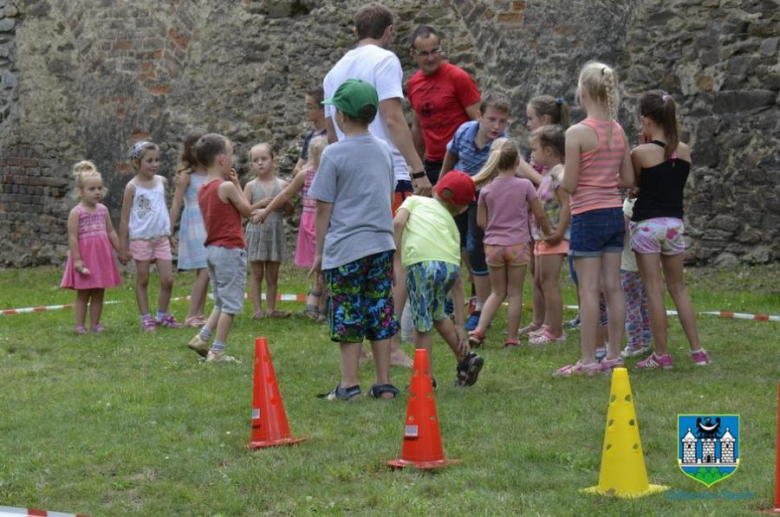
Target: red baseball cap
{"x":456,"y":187}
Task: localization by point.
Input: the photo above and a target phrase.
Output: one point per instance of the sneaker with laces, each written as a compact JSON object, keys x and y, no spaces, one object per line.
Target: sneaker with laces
{"x":606,"y":365}
{"x":700,"y":357}
{"x":635,"y":350}
{"x":339,"y":393}
{"x":472,"y":321}
{"x":468,"y":370}
{"x":219,"y":356}
{"x":655,"y":361}
{"x":170,"y":322}
{"x":199,"y":346}
{"x":578,"y":368}
{"x":148,"y":324}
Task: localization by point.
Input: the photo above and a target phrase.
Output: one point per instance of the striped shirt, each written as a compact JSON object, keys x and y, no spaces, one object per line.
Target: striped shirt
{"x":599,"y":169}
{"x":470,"y":158}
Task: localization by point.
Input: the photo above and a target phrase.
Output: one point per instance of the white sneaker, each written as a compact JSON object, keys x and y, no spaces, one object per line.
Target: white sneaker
{"x":220,"y":357}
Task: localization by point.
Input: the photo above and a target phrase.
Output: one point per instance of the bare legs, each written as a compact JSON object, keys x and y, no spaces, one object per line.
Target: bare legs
{"x":650,"y":268}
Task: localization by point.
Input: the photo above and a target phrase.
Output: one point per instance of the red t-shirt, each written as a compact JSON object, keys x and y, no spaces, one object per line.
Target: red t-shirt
{"x":222,"y":220}
{"x":440,"y":101}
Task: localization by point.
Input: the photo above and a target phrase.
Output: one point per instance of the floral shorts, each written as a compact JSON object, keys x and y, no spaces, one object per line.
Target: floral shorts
{"x":428,"y":284}
{"x":662,"y":235}
{"x":515,"y":255}
{"x":361,"y":299}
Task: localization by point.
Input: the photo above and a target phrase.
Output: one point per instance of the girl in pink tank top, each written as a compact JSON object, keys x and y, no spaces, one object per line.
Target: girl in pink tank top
{"x":597,"y":164}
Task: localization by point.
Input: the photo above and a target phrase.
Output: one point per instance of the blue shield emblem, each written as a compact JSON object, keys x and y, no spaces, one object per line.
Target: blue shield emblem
{"x":708,"y":446}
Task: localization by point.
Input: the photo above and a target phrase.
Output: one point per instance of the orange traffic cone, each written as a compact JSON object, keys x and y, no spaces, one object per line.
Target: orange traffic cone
{"x":269,"y":421}
{"x":422,"y":446}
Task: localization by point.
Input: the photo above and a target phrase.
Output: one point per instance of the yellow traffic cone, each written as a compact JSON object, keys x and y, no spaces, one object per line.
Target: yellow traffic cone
{"x":623,"y":473}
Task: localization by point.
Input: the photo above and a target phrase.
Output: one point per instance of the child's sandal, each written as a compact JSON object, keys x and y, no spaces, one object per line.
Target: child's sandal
{"x":476,"y":338}
{"x":511,"y":343}
{"x":278,"y":314}
{"x":258,"y":315}
{"x":377,"y":390}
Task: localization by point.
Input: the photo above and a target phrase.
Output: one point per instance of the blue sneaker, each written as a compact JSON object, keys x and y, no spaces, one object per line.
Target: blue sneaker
{"x":472,"y":321}
{"x":601,"y":353}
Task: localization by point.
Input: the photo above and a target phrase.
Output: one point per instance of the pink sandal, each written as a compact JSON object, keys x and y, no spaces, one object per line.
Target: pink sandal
{"x":545,"y":337}
{"x":571,"y":370}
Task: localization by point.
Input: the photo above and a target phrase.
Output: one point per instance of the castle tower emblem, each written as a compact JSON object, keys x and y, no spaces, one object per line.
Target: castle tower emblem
{"x":708,"y":446}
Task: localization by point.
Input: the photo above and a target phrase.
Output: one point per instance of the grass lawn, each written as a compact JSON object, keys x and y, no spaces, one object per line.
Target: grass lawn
{"x":127,"y":423}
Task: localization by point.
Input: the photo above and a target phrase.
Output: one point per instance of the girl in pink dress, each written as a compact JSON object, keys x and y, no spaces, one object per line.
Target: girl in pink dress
{"x":91,"y":267}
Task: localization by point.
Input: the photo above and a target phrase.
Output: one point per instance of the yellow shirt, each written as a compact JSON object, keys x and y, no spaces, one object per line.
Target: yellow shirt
{"x":430,"y":233}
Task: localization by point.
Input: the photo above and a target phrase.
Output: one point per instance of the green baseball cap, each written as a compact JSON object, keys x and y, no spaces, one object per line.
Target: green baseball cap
{"x":352,"y":96}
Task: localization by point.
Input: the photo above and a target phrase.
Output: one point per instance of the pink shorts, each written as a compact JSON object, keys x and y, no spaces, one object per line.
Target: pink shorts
{"x":515,"y":255}
{"x":542,"y":248}
{"x":150,"y":250}
{"x":662,"y":235}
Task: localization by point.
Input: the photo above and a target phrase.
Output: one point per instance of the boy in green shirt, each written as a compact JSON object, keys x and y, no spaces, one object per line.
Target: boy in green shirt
{"x":427,"y":237}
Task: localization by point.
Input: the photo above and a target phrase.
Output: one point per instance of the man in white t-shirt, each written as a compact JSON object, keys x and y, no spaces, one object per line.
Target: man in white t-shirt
{"x":370,"y":61}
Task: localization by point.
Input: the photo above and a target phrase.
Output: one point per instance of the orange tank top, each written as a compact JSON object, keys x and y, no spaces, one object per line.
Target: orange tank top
{"x":599,"y":169}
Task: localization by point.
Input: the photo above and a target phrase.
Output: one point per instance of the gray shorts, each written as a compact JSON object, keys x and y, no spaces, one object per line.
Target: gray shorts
{"x":227,"y":272}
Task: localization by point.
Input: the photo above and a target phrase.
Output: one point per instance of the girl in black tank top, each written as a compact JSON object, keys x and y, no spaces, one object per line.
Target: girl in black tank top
{"x":657,"y":228}
{"x":661,"y":188}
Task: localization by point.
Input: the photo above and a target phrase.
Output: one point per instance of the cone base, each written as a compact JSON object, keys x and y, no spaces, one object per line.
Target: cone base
{"x":422,"y":465}
{"x":651,"y":489}
{"x":274,"y":443}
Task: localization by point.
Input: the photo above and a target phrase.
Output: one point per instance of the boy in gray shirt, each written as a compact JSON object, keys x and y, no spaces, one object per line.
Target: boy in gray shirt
{"x":354,"y":226}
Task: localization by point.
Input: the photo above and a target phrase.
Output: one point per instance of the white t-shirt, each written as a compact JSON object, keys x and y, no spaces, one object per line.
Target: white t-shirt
{"x":381,"y":68}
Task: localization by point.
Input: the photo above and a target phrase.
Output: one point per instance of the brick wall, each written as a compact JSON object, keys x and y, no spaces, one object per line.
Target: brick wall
{"x":86,"y":78}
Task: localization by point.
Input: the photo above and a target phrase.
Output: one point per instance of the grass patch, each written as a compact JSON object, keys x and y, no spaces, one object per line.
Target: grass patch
{"x":127,"y":423}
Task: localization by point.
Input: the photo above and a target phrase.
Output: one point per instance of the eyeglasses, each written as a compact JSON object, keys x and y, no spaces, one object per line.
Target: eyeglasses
{"x":423,"y":53}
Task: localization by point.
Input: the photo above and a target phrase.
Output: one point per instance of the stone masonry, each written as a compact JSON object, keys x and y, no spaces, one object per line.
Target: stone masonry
{"x":86,"y":78}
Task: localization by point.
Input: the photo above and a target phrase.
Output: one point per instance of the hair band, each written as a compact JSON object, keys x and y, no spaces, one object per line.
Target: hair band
{"x":135,"y":152}
{"x":559,"y":101}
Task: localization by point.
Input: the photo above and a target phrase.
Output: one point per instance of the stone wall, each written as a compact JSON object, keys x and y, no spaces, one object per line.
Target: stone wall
{"x":86,"y":78}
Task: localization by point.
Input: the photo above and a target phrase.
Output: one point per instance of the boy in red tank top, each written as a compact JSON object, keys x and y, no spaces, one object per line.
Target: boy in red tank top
{"x":222,"y":203}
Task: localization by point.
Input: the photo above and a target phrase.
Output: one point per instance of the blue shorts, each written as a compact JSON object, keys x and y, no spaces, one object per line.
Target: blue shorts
{"x":597,"y":232}
{"x":428,"y":284}
{"x":475,"y":245}
{"x":361,"y":299}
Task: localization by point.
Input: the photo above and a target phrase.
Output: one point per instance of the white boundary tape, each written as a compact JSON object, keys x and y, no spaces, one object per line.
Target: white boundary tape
{"x":302,"y":298}
{"x":47,"y":308}
{"x":722,"y":314}
{"x":9,"y":511}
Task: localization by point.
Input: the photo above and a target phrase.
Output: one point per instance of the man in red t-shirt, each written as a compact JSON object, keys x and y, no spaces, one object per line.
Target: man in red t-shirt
{"x":442,"y":97}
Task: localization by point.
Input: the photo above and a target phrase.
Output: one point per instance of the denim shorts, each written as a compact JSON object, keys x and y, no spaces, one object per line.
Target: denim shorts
{"x":596,"y":232}
{"x":475,"y":246}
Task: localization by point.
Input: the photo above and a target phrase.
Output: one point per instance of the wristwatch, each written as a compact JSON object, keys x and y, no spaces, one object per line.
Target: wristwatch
{"x":418,"y":175}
